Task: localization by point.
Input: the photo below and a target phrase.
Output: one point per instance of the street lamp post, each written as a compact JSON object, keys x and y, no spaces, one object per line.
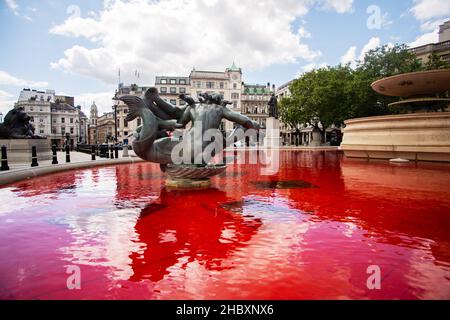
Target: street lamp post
{"x":115,"y":116}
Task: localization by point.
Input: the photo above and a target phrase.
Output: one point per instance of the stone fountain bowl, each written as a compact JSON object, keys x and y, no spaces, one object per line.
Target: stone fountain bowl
{"x":414,"y":84}
{"x":196,"y":172}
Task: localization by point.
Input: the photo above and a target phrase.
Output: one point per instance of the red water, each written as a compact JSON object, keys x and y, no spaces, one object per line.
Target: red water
{"x":308,"y":232}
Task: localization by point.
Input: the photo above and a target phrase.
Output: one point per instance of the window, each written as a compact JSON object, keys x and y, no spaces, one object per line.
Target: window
{"x":41,"y":120}
{"x":173,"y":101}
{"x":63,"y":120}
{"x":125,"y":133}
{"x":63,"y":130}
{"x":173,"y":90}
{"x":71,"y":130}
{"x":182,"y":81}
{"x":163,"y":81}
{"x":53,"y":130}
{"x":209,"y":85}
{"x":199,"y":84}
{"x":163,"y":89}
{"x":221,"y":85}
{"x":234,"y":85}
{"x":125,"y":123}
{"x":235,"y":96}
{"x":182,"y":102}
{"x":71,"y":120}
{"x":41,"y":131}
{"x":182,"y":90}
{"x":125,"y":110}
{"x":234,"y":104}
{"x":173,"y":81}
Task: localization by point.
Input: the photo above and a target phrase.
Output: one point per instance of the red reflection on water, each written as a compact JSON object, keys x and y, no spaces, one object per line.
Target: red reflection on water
{"x":308,"y":231}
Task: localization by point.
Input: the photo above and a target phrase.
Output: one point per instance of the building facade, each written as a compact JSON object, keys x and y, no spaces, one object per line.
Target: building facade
{"x":54,"y":116}
{"x":254,"y":100}
{"x":441,"y":48}
{"x":170,"y":88}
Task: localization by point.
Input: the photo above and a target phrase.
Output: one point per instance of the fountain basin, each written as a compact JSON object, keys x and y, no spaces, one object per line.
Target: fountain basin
{"x":416,"y":136}
{"x":414,"y":83}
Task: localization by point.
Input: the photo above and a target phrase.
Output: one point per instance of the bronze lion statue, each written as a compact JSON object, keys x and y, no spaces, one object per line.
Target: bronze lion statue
{"x":16,"y":125}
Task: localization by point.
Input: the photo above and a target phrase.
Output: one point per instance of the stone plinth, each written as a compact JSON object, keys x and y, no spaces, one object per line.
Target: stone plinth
{"x":19,"y":150}
{"x":416,"y":136}
{"x":316,"y":139}
{"x":272,"y":138}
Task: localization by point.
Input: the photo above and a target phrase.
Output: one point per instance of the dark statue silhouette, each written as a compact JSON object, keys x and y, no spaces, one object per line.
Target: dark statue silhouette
{"x":17,"y":126}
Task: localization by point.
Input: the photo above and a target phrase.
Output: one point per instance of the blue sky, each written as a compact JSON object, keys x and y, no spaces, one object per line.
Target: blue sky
{"x":77,"y":47}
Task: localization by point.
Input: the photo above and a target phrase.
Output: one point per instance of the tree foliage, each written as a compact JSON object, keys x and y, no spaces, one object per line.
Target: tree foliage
{"x":333,"y":94}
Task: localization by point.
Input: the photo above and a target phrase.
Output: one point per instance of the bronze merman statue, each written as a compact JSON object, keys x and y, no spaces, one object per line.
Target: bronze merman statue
{"x":151,"y":141}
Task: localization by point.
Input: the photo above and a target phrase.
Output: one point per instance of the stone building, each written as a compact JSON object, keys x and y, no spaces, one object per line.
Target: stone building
{"x":441,"y":48}
{"x":54,"y":116}
{"x":105,"y":129}
{"x":170,"y":88}
{"x":228,"y":83}
{"x":254,"y":100}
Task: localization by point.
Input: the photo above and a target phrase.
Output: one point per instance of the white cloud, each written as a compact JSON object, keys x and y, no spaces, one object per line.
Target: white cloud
{"x":171,"y":37}
{"x":7,"y":79}
{"x":103,"y":101}
{"x":349,"y":56}
{"x":6,"y":102}
{"x":431,"y":14}
{"x":372,"y":44}
{"x":340,"y":6}
{"x":430,"y":9}
{"x":311,"y":66}
{"x":13,"y":6}
{"x":303,"y":33}
{"x":430,"y":37}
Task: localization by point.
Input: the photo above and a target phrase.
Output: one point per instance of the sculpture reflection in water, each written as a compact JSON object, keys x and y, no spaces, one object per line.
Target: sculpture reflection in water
{"x":173,"y":230}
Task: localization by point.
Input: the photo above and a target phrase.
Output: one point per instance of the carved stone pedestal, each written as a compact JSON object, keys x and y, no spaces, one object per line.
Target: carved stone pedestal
{"x":272,"y":138}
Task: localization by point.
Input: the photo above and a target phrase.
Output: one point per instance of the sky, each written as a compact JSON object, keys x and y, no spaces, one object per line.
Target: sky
{"x":78,"y":47}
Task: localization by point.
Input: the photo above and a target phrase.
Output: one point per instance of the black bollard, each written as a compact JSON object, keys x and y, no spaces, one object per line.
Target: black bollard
{"x":97,"y":150}
{"x":67,"y":153}
{"x":4,"y":159}
{"x":111,"y":151}
{"x":116,"y":152}
{"x":34,"y":162}
{"x":93,"y":153}
{"x":55,"y":156}
{"x":106,"y":150}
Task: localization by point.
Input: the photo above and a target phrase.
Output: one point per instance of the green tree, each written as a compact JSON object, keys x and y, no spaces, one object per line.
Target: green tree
{"x":319,"y":98}
{"x":331,"y":95}
{"x":435,"y":62}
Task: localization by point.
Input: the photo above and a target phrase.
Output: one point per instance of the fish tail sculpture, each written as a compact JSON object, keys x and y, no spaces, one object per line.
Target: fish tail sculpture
{"x":147,"y":145}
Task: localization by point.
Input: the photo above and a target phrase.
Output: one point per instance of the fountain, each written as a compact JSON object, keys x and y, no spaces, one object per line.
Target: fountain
{"x":187,"y":156}
{"x":422,"y":134}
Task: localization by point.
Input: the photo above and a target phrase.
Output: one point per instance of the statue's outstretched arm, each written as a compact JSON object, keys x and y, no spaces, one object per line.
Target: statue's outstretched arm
{"x":186,"y":116}
{"x":239,"y":118}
